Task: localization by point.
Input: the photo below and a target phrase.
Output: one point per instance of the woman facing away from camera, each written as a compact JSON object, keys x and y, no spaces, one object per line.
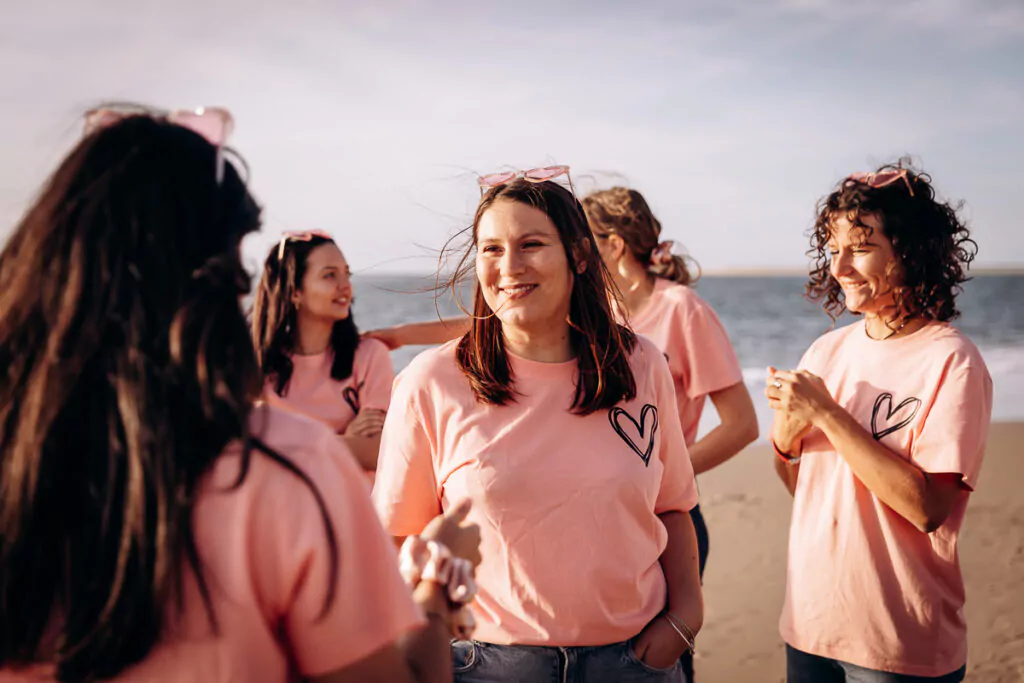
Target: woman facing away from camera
{"x":880,"y":434}
{"x":308,"y":346}
{"x":153,"y":526}
{"x":559,"y":425}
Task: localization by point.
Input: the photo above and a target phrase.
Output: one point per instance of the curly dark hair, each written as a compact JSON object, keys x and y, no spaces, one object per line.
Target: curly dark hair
{"x":932,"y":244}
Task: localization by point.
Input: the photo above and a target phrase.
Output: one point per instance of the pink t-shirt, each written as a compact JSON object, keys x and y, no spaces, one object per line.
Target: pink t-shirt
{"x":312,"y":391}
{"x":865,"y":586}
{"x":567,"y":505}
{"x":699,"y":354}
{"x":265,"y":555}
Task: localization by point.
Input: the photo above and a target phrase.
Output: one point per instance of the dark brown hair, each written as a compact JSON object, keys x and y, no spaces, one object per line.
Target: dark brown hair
{"x":933,"y":247}
{"x":624,"y":212}
{"x":601,"y":345}
{"x":275,"y":321}
{"x":127,"y":370}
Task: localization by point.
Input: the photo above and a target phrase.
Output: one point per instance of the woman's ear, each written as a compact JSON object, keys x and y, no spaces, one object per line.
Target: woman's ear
{"x":617,"y":245}
{"x":580,"y":254}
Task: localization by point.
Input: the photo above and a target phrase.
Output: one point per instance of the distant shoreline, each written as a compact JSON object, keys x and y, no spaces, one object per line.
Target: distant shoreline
{"x":984,"y":271}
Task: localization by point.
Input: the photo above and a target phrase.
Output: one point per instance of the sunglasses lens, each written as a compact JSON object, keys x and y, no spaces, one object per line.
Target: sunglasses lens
{"x":884,"y":178}
{"x":101,"y":118}
{"x":210,"y":124}
{"x":493,"y":179}
{"x":546,"y":173}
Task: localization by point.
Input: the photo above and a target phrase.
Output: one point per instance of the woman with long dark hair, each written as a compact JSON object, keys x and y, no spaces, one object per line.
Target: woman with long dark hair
{"x":308,"y":346}
{"x":153,"y":525}
{"x":880,"y":434}
{"x":559,"y":424}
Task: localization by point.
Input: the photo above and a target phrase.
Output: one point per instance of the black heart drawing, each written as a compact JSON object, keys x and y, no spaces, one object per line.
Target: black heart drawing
{"x":641,"y":428}
{"x":351,"y":396}
{"x":884,"y":398}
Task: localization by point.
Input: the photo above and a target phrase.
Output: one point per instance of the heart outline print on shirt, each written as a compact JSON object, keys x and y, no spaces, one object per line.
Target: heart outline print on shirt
{"x":615,"y":413}
{"x":889,"y":427}
{"x":351,"y":396}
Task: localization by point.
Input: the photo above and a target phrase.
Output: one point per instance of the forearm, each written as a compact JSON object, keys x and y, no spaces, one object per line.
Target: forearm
{"x":433,"y":331}
{"x":737,"y":429}
{"x":788,"y":473}
{"x":680,"y":564}
{"x":719,"y":445}
{"x":893,"y":480}
{"x":365,"y":449}
{"x":786,"y":437}
{"x":427,"y":650}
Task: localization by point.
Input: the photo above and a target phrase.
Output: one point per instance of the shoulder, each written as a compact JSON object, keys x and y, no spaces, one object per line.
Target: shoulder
{"x":308,"y":445}
{"x":837,"y":337}
{"x":434,"y":370}
{"x":680,"y":297}
{"x":371,"y":349}
{"x":647,"y":359}
{"x":955,"y":347}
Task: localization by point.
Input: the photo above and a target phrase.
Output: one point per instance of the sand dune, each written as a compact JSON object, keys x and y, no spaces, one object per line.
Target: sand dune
{"x":747,"y":511}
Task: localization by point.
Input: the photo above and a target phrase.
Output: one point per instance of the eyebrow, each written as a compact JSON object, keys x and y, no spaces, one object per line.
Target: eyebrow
{"x":521,"y":237}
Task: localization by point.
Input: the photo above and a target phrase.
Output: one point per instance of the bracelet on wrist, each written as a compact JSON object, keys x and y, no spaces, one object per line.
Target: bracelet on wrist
{"x":680,"y":627}
{"x":785,"y":457}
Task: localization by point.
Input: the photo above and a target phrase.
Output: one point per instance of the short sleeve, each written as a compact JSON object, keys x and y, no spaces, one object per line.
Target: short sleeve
{"x":405,"y":490}
{"x":678,"y":490}
{"x":955,"y":430}
{"x":371,"y":606}
{"x":376,"y":374}
{"x":711,"y":363}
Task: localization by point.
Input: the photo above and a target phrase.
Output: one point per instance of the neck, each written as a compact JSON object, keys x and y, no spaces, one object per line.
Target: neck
{"x":890,"y":325}
{"x":550,"y":345}
{"x":634,"y":283}
{"x":312,"y":335}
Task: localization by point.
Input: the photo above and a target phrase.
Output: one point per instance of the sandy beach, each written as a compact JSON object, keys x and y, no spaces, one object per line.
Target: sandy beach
{"x":747,"y":511}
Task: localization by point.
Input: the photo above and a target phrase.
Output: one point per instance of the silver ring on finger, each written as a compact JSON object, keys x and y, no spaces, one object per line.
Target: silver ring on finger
{"x":777,"y":384}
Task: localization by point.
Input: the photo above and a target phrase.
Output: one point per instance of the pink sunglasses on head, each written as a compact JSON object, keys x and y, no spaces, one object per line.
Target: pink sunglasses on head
{"x":881,"y":179}
{"x":533,"y":175}
{"x":304,"y":236}
{"x":213,"y":123}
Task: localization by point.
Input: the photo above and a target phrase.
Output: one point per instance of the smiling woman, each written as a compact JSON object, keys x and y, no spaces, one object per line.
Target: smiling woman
{"x":546,"y":415}
{"x":308,"y":345}
{"x":880,"y":435}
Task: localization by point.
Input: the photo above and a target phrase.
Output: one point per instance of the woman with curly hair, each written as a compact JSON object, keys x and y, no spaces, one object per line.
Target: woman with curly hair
{"x":879,"y":436}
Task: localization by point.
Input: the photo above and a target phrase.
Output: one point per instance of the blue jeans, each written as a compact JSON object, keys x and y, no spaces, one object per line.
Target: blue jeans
{"x":806,"y":668}
{"x":702,"y":549}
{"x":476,"y":662}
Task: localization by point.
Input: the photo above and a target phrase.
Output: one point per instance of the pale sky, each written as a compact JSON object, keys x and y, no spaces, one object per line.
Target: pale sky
{"x":370,"y":120}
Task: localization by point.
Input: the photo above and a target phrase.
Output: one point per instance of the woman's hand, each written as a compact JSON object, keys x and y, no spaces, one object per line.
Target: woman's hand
{"x":801,"y":396}
{"x":391,"y":336}
{"x":658,"y":645}
{"x":368,"y":422}
{"x":452,"y":530}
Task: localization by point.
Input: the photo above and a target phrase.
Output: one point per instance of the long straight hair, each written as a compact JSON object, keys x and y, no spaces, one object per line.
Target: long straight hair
{"x":127,"y":370}
{"x":275,"y":319}
{"x":601,"y":346}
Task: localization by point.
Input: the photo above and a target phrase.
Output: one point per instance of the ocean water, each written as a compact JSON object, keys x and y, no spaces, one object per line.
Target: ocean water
{"x":768,"y":319}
